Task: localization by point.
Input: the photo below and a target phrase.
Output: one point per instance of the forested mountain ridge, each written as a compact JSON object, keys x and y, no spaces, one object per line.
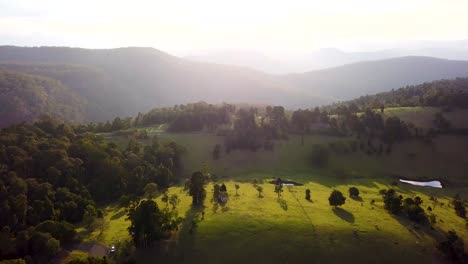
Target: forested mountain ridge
{"x":125,"y":81}
{"x":370,"y":77}
{"x":447,"y":94}
{"x":130,"y":80}
{"x":24,"y":98}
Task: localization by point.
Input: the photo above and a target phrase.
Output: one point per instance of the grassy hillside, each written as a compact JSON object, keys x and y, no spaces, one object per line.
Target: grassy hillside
{"x":297,"y":230}
{"x":292,"y":229}
{"x":290,"y":159}
{"x":24,"y":98}
{"x":423,"y":116}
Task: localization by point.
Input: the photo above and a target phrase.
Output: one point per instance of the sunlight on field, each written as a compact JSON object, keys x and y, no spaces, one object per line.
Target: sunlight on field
{"x":249,"y":226}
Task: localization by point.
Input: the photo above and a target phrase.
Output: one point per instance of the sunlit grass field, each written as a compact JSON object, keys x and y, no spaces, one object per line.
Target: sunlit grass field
{"x":252,"y":228}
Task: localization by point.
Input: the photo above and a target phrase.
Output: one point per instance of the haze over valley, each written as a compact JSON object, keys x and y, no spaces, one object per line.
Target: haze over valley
{"x":151,"y":131}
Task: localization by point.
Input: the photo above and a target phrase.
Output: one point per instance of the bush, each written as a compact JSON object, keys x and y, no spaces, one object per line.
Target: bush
{"x":353,"y":192}
{"x":392,"y":201}
{"x":307,"y":195}
{"x":319,"y":156}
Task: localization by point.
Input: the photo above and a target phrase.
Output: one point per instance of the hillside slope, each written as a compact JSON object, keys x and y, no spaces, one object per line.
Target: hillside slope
{"x":125,"y":81}
{"x":137,"y":79}
{"x":24,"y":98}
{"x":354,"y":80}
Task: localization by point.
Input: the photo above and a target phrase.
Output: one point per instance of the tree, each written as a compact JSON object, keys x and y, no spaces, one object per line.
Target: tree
{"x":459,"y":206}
{"x":174,"y":201}
{"x":392,"y":201}
{"x":382,"y":108}
{"x":151,"y":190}
{"x":319,"y":156}
{"x":196,"y":187}
{"x":417,"y":200}
{"x":223,"y":188}
{"x":89,"y":215}
{"x":237,"y":188}
{"x":165,"y":198}
{"x":260,"y":191}
{"x":148,"y":223}
{"x":353,"y":192}
{"x":336,"y":198}
{"x":307,"y":195}
{"x":278,"y":189}
{"x":413,"y":211}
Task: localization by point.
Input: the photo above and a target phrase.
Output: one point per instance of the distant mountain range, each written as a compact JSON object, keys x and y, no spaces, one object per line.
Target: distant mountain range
{"x":125,"y":81}
{"x":329,"y":57}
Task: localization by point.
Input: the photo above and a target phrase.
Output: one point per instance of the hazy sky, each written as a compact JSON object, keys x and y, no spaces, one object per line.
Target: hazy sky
{"x":264,"y":25}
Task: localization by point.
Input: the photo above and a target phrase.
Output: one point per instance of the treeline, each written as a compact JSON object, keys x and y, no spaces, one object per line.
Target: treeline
{"x":52,"y":177}
{"x":253,"y":131}
{"x":442,"y":93}
{"x":180,"y":118}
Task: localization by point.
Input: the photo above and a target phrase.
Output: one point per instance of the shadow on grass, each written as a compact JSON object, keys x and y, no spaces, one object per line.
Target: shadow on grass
{"x":357,"y":198}
{"x":187,"y":232}
{"x":343,"y":214}
{"x":118,"y":215}
{"x":283,"y":204}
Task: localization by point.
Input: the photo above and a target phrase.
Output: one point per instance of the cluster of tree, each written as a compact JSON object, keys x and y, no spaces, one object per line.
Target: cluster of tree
{"x":105,"y":127}
{"x":442,"y":93}
{"x":252,"y":135}
{"x":304,"y":121}
{"x":409,"y":207}
{"x":189,"y":117}
{"x":51,"y":178}
{"x":372,"y":125}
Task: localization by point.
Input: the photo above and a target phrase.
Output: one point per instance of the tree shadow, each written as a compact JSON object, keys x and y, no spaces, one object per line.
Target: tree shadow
{"x":118,"y":215}
{"x":357,"y":198}
{"x":343,"y":214}
{"x":187,"y":233}
{"x":283,"y":204}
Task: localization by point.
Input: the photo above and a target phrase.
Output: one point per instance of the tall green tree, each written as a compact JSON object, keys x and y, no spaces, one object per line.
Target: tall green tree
{"x":196,"y":187}
{"x":148,"y":223}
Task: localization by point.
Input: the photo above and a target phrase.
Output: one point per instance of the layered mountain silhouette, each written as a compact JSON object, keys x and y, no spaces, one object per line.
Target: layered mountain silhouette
{"x":121,"y":82}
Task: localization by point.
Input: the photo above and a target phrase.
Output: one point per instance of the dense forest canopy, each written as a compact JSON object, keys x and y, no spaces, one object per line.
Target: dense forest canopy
{"x":24,"y":98}
{"x":52,"y":176}
{"x":443,"y":93}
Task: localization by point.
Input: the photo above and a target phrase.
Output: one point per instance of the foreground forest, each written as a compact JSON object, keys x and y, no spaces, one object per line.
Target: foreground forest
{"x":228,"y":183}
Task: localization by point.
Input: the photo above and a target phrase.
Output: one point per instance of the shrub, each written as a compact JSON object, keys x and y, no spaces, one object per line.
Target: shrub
{"x":307,"y":195}
{"x":392,"y":201}
{"x":353,"y":192}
